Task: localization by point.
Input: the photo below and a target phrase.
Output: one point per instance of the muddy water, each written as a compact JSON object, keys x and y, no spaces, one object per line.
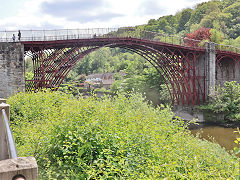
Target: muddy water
{"x":225,"y":137}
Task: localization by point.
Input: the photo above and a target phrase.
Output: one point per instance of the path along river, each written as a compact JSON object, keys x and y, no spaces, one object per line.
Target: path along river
{"x":223,"y":136}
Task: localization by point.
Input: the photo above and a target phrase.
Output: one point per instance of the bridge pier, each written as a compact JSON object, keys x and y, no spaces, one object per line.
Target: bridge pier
{"x":12,"y":78}
{"x":206,"y":66}
{"x":211,"y":66}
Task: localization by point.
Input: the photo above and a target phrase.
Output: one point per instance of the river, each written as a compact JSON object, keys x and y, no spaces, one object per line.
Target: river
{"x":225,"y":137}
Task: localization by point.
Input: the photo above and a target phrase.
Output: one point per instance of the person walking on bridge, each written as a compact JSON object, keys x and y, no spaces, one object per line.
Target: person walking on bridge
{"x":19,"y":35}
{"x":13,"y":37}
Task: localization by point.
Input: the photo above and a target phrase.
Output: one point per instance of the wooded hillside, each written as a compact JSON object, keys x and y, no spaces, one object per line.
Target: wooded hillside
{"x":222,"y":17}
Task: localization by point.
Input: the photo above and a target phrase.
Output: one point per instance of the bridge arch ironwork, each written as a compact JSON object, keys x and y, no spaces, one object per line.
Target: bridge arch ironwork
{"x":52,"y":64}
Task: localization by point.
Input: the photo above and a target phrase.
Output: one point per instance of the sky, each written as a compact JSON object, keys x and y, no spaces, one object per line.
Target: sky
{"x":71,"y":14}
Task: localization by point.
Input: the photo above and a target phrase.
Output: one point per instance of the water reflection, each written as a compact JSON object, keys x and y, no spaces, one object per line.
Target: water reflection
{"x":225,"y":137}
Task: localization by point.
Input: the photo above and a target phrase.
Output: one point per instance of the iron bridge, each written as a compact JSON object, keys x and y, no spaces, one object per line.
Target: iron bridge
{"x":183,"y":63}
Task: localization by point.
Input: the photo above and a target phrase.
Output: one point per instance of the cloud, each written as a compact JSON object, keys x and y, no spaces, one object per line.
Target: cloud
{"x":79,"y":10}
{"x":153,"y":7}
{"x":53,"y":14}
{"x":70,"y":9}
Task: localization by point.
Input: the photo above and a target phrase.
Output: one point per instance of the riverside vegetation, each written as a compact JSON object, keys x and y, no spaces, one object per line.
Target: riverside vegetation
{"x":123,"y":137}
{"x":225,"y":101}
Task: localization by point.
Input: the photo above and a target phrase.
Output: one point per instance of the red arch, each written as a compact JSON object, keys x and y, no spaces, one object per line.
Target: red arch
{"x":53,"y":61}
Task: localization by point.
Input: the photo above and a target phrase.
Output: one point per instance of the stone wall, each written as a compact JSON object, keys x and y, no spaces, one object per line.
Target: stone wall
{"x":11,"y":69}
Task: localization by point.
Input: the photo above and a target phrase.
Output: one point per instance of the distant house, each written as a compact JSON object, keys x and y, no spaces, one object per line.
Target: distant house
{"x":101,"y":80}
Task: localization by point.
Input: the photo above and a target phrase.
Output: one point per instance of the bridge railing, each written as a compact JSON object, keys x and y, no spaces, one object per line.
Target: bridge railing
{"x":12,"y":165}
{"x":229,"y":48}
{"x":11,"y":145}
{"x":8,"y":149}
{"x":65,"y":34}
{"x":59,"y":34}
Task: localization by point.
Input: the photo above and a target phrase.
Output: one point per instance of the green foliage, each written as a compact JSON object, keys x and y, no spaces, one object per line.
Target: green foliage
{"x":164,"y":94}
{"x":71,"y":89}
{"x":233,"y":9}
{"x":234,"y":31}
{"x":71,"y":77}
{"x":102,"y":90}
{"x":225,"y":100}
{"x":119,"y":138}
{"x":148,"y":83}
{"x":102,"y":60}
{"x":28,"y":65}
{"x":185,"y":15}
{"x":109,"y":60}
{"x":198,"y":13}
{"x":237,"y":141}
{"x":216,"y":36}
{"x":28,"y":75}
{"x":212,"y":15}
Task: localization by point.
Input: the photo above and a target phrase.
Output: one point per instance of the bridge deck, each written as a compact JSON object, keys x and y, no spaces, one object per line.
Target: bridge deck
{"x":68,"y":36}
{"x":104,"y":42}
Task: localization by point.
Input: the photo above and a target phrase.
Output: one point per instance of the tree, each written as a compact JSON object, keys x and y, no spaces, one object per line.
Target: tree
{"x":199,"y":13}
{"x":234,"y":31}
{"x":233,"y":9}
{"x":193,"y":39}
{"x":185,"y":15}
{"x":216,"y":36}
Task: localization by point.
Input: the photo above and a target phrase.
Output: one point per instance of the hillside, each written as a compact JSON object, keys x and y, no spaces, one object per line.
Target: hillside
{"x":222,"y":17}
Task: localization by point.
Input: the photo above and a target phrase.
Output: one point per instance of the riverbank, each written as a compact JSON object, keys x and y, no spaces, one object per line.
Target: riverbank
{"x":199,"y":116}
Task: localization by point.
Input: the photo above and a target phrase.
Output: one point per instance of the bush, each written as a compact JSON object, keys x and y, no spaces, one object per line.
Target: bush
{"x":111,"y":138}
{"x":225,"y":100}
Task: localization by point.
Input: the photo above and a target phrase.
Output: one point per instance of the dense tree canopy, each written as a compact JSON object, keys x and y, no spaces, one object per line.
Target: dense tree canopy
{"x":222,"y":16}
